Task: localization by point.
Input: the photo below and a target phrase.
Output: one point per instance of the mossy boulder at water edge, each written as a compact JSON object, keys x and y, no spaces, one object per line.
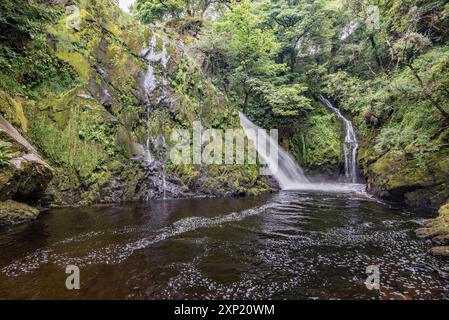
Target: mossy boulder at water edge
{"x":12,"y":212}
{"x":418,"y":182}
{"x":438,"y":231}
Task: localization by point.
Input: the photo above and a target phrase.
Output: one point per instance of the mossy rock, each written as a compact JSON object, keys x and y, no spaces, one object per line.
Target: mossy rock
{"x":12,"y":110}
{"x":395,"y":176}
{"x":12,"y":212}
{"x":27,"y":175}
{"x":84,"y":114}
{"x":437,"y":229}
{"x":28,"y":180}
{"x":442,"y":251}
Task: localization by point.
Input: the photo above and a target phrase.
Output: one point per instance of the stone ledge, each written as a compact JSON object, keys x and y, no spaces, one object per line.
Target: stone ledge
{"x":12,"y":212}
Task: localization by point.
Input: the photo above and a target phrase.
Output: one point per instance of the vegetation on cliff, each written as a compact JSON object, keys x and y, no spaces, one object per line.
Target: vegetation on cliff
{"x":384,"y":64}
{"x":73,"y":87}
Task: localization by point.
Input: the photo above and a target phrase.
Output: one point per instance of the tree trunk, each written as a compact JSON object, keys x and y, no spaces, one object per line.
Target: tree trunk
{"x":245,"y":103}
{"x":373,"y":44}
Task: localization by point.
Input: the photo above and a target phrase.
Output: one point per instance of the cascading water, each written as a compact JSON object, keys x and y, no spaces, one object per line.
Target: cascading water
{"x":162,"y":145}
{"x":350,"y":146}
{"x":286,"y":171}
{"x":155,"y":92}
{"x":151,"y":83}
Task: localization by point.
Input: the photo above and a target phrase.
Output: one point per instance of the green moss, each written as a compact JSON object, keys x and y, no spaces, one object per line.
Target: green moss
{"x":12,"y":212}
{"x":5,"y":154}
{"x":187,"y":173}
{"x":77,"y":61}
{"x":67,"y":147}
{"x":438,"y":230}
{"x":11,"y":109}
{"x":62,"y":75}
{"x":316,"y":141}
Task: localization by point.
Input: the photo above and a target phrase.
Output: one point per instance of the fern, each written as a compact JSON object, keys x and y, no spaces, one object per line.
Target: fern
{"x":5,"y":154}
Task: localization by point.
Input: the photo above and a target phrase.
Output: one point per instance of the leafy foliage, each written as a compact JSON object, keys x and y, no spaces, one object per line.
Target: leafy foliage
{"x":26,"y":63}
{"x":81,"y":146}
{"x":154,"y":10}
{"x":5,"y":154}
{"x":386,"y":65}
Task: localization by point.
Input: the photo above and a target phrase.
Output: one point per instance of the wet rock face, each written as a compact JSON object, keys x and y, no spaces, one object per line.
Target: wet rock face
{"x":397,"y":178}
{"x":157,"y":184}
{"x":142,"y":182}
{"x":438,"y":231}
{"x":27,"y":175}
{"x":27,"y":179}
{"x":12,"y":212}
{"x":125,"y":88}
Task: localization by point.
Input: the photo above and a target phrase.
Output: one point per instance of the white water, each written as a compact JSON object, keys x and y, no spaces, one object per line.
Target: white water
{"x":151,"y":83}
{"x":155,"y":87}
{"x":281,"y":164}
{"x":285,"y":169}
{"x":350,"y":146}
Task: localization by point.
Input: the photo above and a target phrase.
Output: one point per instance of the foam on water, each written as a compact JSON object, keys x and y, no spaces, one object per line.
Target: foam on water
{"x":291,"y":245}
{"x":117,"y":253}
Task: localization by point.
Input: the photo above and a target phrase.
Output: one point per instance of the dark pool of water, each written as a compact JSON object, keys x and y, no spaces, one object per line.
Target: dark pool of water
{"x":290,"y":245}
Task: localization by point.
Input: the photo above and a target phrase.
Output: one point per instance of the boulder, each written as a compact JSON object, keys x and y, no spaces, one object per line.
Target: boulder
{"x":26,"y":176}
{"x":440,"y":251}
{"x":397,"y":178}
{"x":12,"y":212}
{"x":438,"y":231}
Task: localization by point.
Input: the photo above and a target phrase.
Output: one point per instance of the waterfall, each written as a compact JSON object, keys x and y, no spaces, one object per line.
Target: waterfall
{"x":154,"y":94}
{"x":162,"y":145}
{"x":164,"y":184}
{"x":286,"y":171}
{"x":151,"y":83}
{"x":150,"y":56}
{"x":350,"y":146}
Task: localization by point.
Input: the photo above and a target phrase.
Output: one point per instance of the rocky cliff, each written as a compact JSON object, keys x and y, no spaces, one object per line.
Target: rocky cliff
{"x":89,"y":99}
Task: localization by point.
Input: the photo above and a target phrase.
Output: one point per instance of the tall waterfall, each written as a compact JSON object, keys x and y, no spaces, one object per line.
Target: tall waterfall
{"x":150,"y":84}
{"x":286,"y":171}
{"x":155,"y":94}
{"x":350,"y":146}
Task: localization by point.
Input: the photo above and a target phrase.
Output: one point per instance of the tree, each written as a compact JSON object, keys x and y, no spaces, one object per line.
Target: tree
{"x":150,"y":11}
{"x":249,"y":51}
